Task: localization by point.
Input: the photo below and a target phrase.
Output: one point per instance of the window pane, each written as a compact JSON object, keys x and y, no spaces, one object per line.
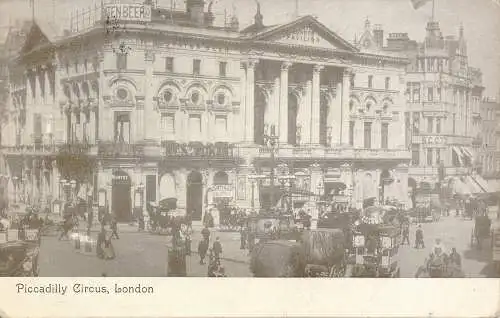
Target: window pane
{"x":385,"y":136}
{"x":438,"y":126}
{"x":429,"y":156}
{"x":368,"y":135}
{"x":351,"y":133}
{"x":370,"y":81}
{"x":415,"y":155}
{"x":221,"y":127}
{"x":196,"y":67}
{"x":430,"y":94}
{"x":169,"y":64}
{"x":121,"y":61}
{"x":195,"y":127}
{"x":222,"y":68}
{"x":430,"y":123}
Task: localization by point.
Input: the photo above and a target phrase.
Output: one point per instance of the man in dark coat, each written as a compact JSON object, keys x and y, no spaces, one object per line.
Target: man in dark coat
{"x":243,"y":238}
{"x":206,"y":233}
{"x":217,"y":248}
{"x":419,"y":238}
{"x":202,"y":250}
{"x":101,"y":239}
{"x":114,"y":228}
{"x":406,"y":233}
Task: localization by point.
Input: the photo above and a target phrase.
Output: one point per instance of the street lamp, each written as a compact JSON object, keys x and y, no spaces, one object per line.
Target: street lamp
{"x":254,"y":178}
{"x":271,"y":141}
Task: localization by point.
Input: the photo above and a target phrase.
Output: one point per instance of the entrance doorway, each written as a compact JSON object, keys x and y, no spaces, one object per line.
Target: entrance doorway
{"x":194,"y":194}
{"x":122,"y":206}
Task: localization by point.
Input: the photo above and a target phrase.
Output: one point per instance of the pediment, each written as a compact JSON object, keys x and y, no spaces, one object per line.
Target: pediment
{"x":306,"y":32}
{"x":367,"y":41}
{"x":35,"y":38}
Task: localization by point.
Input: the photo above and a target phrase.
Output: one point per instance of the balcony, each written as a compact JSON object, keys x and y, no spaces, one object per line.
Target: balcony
{"x":320,"y":152}
{"x":75,"y":148}
{"x":433,"y":171}
{"x":110,"y":149}
{"x":197,"y":151}
{"x":33,"y":150}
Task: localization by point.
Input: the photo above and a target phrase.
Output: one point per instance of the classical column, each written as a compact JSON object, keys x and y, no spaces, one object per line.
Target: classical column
{"x":92,"y":125}
{"x":358,"y":138}
{"x":283,"y":103}
{"x":305,"y":114}
{"x":243,"y":101}
{"x":315,"y":104}
{"x":148,"y":131}
{"x":250,"y":102}
{"x":346,"y":83}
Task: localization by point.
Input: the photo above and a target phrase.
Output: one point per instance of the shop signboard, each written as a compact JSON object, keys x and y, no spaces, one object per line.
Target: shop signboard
{"x":129,"y":12}
{"x":223,"y":191}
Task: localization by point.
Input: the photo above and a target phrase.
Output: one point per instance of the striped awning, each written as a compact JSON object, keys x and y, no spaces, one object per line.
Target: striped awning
{"x":473,"y":186}
{"x":459,"y":155}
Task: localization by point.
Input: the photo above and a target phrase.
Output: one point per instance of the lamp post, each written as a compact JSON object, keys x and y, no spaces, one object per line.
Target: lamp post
{"x":254,"y":178}
{"x":15,"y":181}
{"x":139,"y":204}
{"x":271,"y":141}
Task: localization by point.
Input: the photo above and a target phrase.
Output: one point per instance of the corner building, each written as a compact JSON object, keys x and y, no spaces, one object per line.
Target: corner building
{"x":169,"y":105}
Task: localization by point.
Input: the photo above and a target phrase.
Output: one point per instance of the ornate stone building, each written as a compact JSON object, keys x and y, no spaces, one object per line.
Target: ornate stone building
{"x":170,"y":105}
{"x":443,"y":95}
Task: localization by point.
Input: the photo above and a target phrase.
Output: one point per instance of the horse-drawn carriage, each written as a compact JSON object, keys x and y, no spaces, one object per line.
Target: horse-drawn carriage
{"x":164,"y":216}
{"x":481,"y":231}
{"x":19,"y":249}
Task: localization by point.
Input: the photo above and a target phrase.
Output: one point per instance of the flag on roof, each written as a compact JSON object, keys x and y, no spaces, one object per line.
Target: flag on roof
{"x":417,"y":4}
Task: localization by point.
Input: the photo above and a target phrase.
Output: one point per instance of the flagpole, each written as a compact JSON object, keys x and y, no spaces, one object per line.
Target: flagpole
{"x":433,"y":7}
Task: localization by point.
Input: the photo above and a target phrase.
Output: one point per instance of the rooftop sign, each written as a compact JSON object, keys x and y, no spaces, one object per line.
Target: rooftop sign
{"x":129,"y":12}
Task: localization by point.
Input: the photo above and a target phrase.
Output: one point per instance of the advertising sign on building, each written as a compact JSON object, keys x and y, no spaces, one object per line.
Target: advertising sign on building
{"x":129,"y":12}
{"x":223,"y":191}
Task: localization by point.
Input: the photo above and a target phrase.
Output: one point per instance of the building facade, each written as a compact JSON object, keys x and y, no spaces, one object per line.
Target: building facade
{"x":171,"y":106}
{"x":443,"y":97}
{"x":490,"y":110}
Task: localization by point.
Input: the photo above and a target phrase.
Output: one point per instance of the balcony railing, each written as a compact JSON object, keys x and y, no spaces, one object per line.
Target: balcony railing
{"x":34,"y":149}
{"x":116,"y":149}
{"x":196,"y":150}
{"x":75,"y":148}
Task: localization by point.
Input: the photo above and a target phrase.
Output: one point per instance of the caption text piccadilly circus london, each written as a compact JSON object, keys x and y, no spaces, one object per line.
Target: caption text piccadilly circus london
{"x":82,"y":288}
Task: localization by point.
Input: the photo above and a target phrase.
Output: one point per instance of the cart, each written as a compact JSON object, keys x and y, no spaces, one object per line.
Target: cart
{"x":481,"y":231}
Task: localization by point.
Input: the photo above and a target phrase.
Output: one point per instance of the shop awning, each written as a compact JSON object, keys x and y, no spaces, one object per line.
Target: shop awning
{"x":468,"y":151}
{"x":459,"y":187}
{"x":473,"y":186}
{"x":459,"y":155}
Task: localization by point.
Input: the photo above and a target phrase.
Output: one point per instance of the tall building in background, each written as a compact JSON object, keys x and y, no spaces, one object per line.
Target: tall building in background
{"x":122,"y":115}
{"x":443,"y":95}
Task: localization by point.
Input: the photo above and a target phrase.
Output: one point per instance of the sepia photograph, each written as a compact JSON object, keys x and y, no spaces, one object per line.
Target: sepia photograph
{"x":248,"y":138}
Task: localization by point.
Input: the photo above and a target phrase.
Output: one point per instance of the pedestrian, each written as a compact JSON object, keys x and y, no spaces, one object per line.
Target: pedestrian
{"x":419,"y":237}
{"x":455,"y":258}
{"x":189,"y":221}
{"x":243,"y":238}
{"x":101,"y":238}
{"x":114,"y":228}
{"x":251,"y":241}
{"x":187,"y":239}
{"x":202,"y":250}
{"x":217,"y":248}
{"x":206,"y":233}
{"x":406,"y":233}
{"x":67,"y":225}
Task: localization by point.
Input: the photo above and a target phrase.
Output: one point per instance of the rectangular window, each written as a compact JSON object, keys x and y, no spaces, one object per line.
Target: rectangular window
{"x":439,"y":93}
{"x":429,"y":156}
{"x":121,"y":61}
{"x":430,"y":94}
{"x":408,"y":92}
{"x":416,"y":123}
{"x":387,"y":83}
{"x":169,"y":64}
{"x":415,"y":155}
{"x":222,"y":69}
{"x":430,"y":123}
{"x":196,"y":67}
{"x":76,"y":67}
{"x":454,"y":123}
{"x":122,"y":127}
{"x":370,"y":81}
{"x":416,"y":93}
{"x":385,"y":136}
{"x":438,"y":125}
{"x":368,"y":136}
{"x":438,"y":156}
{"x":221,"y":127}
{"x":351,"y":133}
{"x":168,"y":123}
{"x":37,"y":128}
{"x":195,"y":127}
{"x":352,"y":80}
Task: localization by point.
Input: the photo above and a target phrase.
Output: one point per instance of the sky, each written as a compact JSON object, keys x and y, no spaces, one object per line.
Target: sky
{"x":480,"y":18}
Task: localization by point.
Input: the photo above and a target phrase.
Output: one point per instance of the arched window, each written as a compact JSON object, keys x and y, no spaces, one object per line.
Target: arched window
{"x":221,"y":178}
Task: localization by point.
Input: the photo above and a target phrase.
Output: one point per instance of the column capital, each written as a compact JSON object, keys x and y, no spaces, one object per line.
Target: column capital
{"x":250,"y":63}
{"x":286,"y":65}
{"x":348,"y":71}
{"x":317,"y":68}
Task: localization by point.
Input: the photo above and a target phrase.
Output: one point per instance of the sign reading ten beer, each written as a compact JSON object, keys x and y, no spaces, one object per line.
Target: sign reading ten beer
{"x":129,"y":12}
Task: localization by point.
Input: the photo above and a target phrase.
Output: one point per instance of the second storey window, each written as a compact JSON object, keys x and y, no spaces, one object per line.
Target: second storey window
{"x":429,"y":156}
{"x":415,"y":155}
{"x":196,"y":67}
{"x":430,"y":94}
{"x":169,"y":64}
{"x":438,"y":125}
{"x":351,"y":133}
{"x":220,"y":127}
{"x":430,"y":123}
{"x":368,"y":135}
{"x":37,"y":128}
{"x":387,"y":83}
{"x":223,"y":69}
{"x":168,"y":123}
{"x":121,"y":61}
{"x":385,"y":136}
{"x":195,"y":127}
{"x":122,"y":127}
{"x":370,"y":81}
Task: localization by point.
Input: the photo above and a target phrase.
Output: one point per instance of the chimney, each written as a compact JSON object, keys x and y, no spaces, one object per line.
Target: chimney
{"x":195,"y":11}
{"x":378,"y":35}
{"x":398,"y":41}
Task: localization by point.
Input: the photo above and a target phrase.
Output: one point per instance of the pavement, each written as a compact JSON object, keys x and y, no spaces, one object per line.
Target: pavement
{"x":142,"y":254}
